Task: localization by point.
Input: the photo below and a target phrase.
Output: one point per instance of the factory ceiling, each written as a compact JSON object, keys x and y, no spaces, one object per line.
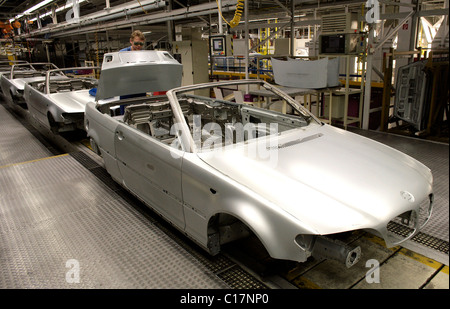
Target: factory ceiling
{"x":57,"y":18}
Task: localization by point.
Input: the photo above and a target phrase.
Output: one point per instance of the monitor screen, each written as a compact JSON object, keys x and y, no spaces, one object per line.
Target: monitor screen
{"x":218,"y":44}
{"x":332,"y":44}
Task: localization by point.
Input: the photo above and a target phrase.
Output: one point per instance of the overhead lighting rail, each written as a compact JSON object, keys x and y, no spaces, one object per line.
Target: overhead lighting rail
{"x":32,"y":9}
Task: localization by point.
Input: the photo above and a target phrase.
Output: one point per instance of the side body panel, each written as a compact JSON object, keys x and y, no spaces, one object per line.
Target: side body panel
{"x":37,"y":104}
{"x":150,"y":171}
{"x":101,"y":128}
{"x":6,"y":88}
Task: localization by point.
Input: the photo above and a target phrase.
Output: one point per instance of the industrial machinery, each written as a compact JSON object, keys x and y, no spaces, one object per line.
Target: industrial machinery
{"x":221,"y":45}
{"x":340,"y":35}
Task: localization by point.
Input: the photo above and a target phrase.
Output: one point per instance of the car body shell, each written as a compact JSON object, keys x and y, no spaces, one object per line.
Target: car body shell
{"x":324,"y":182}
{"x":58,"y":101}
{"x":5,"y":67}
{"x":13,"y":83}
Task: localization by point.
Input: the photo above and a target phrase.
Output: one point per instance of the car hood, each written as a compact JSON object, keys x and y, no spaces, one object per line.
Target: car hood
{"x":128,"y":73}
{"x":19,"y":83}
{"x":329,"y":179}
{"x":72,"y":101}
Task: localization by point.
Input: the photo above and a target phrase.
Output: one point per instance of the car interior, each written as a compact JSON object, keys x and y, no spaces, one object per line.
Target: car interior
{"x":220,"y":122}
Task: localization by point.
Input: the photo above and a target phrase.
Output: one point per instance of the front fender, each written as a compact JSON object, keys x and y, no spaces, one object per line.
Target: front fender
{"x":90,"y":130}
{"x":207,"y":193}
{"x":275,"y":228}
{"x":55,"y":112}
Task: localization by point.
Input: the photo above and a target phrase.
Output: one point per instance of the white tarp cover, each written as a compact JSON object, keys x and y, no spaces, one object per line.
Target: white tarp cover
{"x":314,"y":74}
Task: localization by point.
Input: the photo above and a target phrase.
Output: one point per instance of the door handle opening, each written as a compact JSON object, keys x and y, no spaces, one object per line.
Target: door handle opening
{"x":120,"y":135}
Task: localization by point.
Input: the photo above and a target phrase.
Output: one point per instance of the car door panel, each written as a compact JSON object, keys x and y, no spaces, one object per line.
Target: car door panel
{"x":36,"y":104}
{"x":149,"y":170}
{"x":102,"y":128}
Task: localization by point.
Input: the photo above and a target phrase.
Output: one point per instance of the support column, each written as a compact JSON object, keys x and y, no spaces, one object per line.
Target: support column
{"x":368,"y":80}
{"x":219,"y":2}
{"x":47,"y":52}
{"x":292,"y":50}
{"x":170,"y":25}
{"x":247,"y":37}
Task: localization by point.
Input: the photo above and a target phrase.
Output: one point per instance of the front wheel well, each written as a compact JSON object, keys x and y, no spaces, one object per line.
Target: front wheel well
{"x":94,"y":146}
{"x":225,"y":228}
{"x":54,"y":127}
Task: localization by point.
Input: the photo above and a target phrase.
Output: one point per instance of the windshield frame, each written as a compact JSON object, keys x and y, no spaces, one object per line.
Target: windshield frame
{"x":183,"y":131}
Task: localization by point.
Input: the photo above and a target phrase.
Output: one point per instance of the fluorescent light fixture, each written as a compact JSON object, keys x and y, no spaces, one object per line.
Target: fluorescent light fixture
{"x":17,"y":17}
{"x":32,"y":9}
{"x":41,"y":16}
{"x":68,"y":5}
{"x":37,"y":6}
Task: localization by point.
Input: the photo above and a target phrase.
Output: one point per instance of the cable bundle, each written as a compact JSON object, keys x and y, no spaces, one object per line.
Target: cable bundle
{"x":237,"y":15}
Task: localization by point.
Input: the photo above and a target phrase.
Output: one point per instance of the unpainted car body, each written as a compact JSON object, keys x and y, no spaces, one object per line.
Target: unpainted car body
{"x":13,"y":84}
{"x":5,"y":67}
{"x":220,"y":170}
{"x":59,"y":101}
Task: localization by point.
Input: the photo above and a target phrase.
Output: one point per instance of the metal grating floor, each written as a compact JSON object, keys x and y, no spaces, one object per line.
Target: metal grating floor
{"x":54,"y":210}
{"x":63,"y":208}
{"x":16,"y":143}
{"x":220,"y":265}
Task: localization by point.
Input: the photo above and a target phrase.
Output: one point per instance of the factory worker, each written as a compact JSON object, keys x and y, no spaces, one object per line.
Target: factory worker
{"x":137,"y":41}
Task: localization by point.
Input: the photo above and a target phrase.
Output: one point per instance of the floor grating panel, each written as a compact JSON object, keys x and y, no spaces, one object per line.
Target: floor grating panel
{"x":219,"y":265}
{"x":54,"y":211}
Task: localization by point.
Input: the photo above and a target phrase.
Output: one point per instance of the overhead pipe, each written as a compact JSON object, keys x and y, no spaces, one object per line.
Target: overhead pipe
{"x":194,"y":11}
{"x":127,"y":23}
{"x":108,"y":14}
{"x":179,"y":14}
{"x":123,"y":8}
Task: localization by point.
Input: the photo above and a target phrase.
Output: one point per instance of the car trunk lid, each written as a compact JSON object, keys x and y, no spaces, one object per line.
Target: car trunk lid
{"x":131,"y":73}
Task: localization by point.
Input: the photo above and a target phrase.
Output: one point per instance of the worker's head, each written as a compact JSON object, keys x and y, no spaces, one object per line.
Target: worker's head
{"x":137,"y":40}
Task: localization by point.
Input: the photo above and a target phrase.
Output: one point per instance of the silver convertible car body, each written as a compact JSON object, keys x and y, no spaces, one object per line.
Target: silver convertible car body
{"x":5,"y":67}
{"x":58,"y":101}
{"x":13,"y":83}
{"x":220,"y":169}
